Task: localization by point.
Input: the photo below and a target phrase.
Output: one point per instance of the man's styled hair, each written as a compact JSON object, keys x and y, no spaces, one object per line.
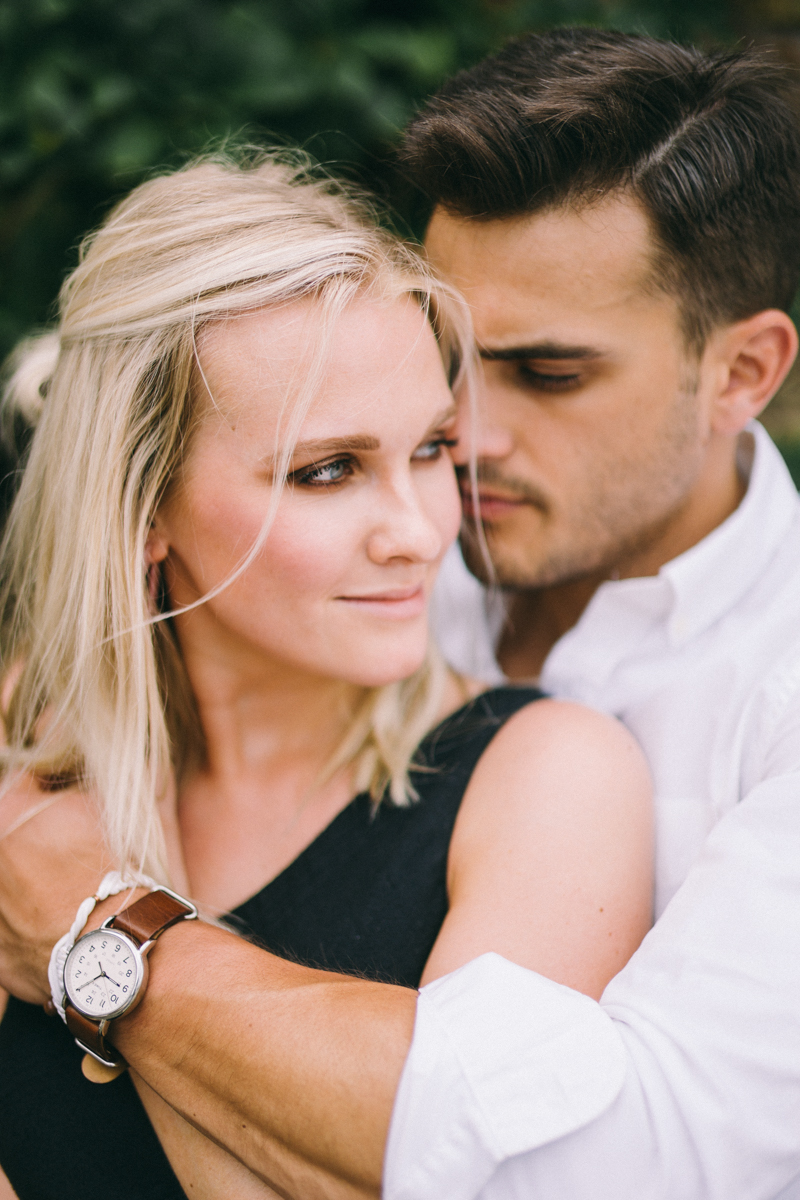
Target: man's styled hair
{"x":707,"y":143}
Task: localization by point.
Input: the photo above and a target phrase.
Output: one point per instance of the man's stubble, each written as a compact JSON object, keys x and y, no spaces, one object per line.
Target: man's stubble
{"x":622,"y":504}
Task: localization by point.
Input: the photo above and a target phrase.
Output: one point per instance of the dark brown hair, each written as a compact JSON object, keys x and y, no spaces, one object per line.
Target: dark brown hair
{"x":707,"y":143}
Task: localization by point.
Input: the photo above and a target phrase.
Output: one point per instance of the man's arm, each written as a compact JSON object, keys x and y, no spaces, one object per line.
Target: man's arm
{"x":293,"y":1071}
{"x":683,"y":1082}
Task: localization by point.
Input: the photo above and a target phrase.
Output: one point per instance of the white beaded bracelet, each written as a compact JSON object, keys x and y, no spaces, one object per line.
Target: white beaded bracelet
{"x":112,"y":885}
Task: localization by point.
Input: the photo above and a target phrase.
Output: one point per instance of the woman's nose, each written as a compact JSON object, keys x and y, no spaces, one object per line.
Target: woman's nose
{"x":404,"y":529}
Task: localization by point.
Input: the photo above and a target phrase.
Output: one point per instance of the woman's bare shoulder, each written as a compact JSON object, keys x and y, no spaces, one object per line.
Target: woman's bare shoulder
{"x":562,"y":764}
{"x":550,"y":861}
{"x":574,"y":736}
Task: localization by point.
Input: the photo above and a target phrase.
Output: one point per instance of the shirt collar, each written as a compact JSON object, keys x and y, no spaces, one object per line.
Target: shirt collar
{"x":693,"y":590}
{"x":710,"y":578}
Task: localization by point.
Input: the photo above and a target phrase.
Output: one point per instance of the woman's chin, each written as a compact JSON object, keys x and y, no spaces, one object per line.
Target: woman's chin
{"x":379,"y":672}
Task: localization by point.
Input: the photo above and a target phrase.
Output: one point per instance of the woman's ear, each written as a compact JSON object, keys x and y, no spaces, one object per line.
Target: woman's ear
{"x":156,"y":548}
{"x":753,"y":357}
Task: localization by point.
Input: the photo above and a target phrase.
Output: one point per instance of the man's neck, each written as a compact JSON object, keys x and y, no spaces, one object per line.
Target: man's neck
{"x":536,"y":619}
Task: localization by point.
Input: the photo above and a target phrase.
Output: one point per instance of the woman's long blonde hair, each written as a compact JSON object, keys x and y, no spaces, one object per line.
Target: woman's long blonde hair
{"x":98,"y":686}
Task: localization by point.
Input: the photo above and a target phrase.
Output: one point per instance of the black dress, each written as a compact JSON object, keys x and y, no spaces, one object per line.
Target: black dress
{"x":367,"y":897}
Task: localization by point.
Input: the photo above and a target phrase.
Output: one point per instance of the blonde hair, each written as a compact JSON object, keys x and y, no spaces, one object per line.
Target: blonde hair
{"x":99,"y":687}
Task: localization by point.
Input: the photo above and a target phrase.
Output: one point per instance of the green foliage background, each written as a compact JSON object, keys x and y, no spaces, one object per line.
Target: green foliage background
{"x":95,"y":95}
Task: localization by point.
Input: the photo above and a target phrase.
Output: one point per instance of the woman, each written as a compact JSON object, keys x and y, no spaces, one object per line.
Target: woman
{"x":236,"y":499}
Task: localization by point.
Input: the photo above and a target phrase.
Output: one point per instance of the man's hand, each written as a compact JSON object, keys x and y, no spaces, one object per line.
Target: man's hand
{"x":49,"y":863}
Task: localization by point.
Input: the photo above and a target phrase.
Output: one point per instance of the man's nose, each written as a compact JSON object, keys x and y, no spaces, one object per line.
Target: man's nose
{"x":479,"y":432}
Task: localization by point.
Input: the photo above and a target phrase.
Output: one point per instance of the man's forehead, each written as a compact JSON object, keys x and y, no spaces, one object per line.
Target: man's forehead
{"x":516,"y":272}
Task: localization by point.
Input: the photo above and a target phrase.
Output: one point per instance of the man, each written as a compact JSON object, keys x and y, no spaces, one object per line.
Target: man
{"x":624,"y":216}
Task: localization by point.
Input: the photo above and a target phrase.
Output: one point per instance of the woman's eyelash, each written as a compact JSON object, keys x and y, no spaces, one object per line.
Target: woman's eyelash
{"x":313,"y":476}
{"x":434,"y":445}
{"x":338,"y":469}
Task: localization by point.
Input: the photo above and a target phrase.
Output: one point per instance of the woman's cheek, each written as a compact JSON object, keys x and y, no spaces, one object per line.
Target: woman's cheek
{"x":308,"y":555}
{"x":444,"y":503}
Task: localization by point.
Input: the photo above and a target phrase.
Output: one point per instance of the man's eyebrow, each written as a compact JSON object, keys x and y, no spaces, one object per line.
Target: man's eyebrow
{"x":540,"y":350}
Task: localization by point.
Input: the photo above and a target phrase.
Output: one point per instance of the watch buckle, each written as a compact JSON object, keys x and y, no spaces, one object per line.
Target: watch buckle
{"x":191,"y":915}
{"x":106,"y":1062}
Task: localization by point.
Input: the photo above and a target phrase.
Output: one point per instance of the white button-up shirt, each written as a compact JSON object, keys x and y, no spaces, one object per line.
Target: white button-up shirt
{"x":683,"y":1083}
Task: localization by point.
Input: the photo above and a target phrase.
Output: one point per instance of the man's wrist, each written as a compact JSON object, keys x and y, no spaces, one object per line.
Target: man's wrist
{"x":113,"y":905}
{"x":113,"y":948}
{"x":112,"y":885}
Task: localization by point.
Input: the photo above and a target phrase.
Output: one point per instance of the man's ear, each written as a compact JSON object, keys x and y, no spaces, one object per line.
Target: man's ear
{"x":753,"y":358}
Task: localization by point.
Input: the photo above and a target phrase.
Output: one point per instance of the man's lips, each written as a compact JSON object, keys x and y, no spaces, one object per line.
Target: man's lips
{"x":492,"y":504}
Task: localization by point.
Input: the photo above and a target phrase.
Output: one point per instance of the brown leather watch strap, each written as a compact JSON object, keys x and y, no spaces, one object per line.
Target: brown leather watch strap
{"x":147,"y":918}
{"x":90,"y":1035}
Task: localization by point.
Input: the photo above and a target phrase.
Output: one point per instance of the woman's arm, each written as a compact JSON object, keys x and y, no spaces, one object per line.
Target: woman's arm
{"x":6,"y":1190}
{"x":552,"y":853}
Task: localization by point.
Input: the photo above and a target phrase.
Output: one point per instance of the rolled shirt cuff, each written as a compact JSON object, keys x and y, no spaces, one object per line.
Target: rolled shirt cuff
{"x":502,"y":1061}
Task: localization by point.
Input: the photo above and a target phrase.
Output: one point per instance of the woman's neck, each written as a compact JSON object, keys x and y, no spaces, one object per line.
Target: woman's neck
{"x":260,"y":796}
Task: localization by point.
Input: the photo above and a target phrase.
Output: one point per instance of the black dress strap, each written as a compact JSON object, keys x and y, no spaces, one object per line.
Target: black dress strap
{"x":369,"y":895}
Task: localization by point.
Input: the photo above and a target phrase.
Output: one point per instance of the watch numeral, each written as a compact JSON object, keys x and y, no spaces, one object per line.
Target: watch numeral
{"x":102,"y":1003}
{"x":90,"y":999}
{"x":125,"y":988}
{"x":114,"y":998}
{"x":128,"y":974}
{"x":116,"y":948}
{"x":91,"y":948}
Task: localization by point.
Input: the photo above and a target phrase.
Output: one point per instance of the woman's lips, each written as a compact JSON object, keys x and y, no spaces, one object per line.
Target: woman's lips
{"x":398,"y":604}
{"x":492,"y":504}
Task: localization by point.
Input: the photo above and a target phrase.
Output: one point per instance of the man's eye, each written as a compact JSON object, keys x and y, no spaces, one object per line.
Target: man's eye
{"x":545,"y":382}
{"x":431,"y":450}
{"x":326,"y":473}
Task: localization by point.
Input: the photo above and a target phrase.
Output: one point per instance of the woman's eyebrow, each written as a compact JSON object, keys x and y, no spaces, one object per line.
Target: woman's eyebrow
{"x":358,"y":441}
{"x":362,"y":441}
{"x":443,"y":418}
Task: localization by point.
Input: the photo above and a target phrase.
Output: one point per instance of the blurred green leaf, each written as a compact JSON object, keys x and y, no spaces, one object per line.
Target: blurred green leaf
{"x":96,"y":94}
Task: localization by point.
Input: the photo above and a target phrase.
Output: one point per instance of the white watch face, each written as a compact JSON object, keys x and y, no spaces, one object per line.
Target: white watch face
{"x":103,"y":973}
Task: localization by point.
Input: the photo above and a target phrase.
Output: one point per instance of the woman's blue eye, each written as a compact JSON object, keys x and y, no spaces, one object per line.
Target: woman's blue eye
{"x":433,"y":448}
{"x":330,"y":472}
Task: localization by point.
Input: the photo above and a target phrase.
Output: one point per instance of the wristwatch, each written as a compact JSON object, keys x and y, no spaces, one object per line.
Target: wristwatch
{"x":106,"y":971}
